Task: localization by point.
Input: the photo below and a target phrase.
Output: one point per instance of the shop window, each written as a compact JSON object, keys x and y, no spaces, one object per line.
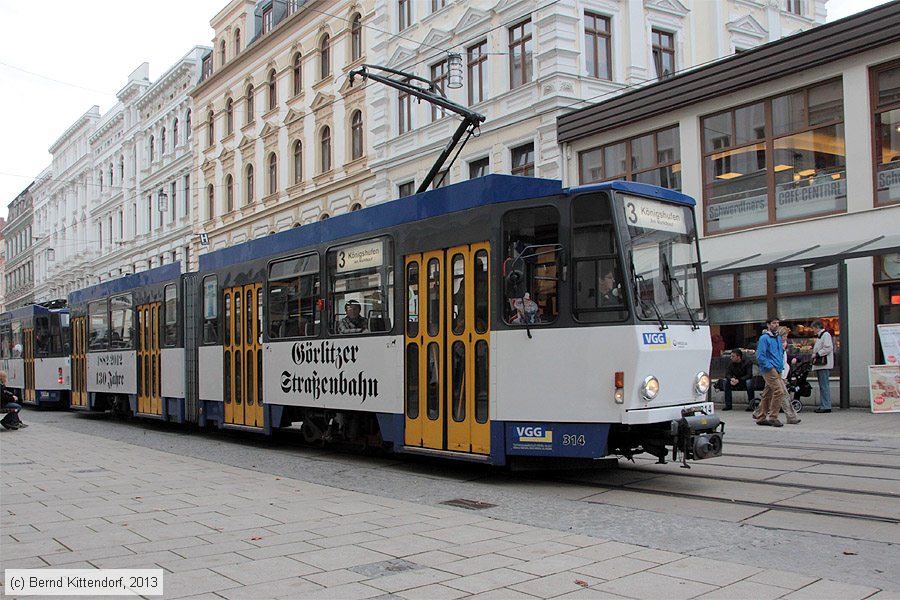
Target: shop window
{"x":887,"y":295}
{"x":170,"y":336}
{"x":293,"y":297}
{"x":653,"y":158}
{"x":98,"y":326}
{"x":886,"y":97}
{"x":531,"y":266}
{"x":758,"y":172}
{"x":210,"y":310}
{"x":361,"y":287}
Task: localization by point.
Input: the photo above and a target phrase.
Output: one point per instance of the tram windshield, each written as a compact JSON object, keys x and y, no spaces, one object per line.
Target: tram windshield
{"x":661,"y":251}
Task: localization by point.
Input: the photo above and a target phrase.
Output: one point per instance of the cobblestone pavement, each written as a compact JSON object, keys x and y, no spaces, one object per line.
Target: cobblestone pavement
{"x":73,"y":500}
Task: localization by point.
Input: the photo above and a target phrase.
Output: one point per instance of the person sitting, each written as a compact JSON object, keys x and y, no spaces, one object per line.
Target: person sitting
{"x":738,"y":376}
{"x":10,"y":406}
{"x":609,"y":289}
{"x":353,"y":321}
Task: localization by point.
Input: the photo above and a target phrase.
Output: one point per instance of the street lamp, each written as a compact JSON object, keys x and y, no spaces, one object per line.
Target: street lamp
{"x":455,"y":75}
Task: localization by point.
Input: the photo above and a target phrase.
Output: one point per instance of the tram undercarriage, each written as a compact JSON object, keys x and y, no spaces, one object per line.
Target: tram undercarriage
{"x":695,"y":436}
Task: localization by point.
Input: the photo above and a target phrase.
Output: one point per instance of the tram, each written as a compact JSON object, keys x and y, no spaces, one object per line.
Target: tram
{"x":500,"y":320}
{"x":35,"y":353}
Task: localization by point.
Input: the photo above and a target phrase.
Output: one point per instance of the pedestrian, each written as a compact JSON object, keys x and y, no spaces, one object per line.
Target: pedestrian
{"x":823,"y":363}
{"x":739,"y":375}
{"x":10,"y":405}
{"x":770,"y":358}
{"x":789,"y":363}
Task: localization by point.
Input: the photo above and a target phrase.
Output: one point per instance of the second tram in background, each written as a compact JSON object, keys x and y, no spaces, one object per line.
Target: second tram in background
{"x":502,"y":320}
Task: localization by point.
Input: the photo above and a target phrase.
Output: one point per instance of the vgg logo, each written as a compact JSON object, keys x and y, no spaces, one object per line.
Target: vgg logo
{"x":530,"y":431}
{"x":655,"y":339}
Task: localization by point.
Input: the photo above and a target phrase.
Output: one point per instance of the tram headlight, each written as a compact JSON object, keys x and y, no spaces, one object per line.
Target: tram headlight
{"x":701,"y":383}
{"x":650,"y":387}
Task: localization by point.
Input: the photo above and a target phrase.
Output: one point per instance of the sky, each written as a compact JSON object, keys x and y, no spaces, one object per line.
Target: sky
{"x":59,"y":58}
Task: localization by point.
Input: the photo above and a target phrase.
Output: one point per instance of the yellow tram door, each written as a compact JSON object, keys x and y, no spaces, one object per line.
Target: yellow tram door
{"x":243,"y":355}
{"x":28,"y":354}
{"x":149,"y":364}
{"x":79,"y":371}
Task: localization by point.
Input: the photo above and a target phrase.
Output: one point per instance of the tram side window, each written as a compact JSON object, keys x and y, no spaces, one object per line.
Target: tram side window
{"x":598,"y":294}
{"x":531,"y":265}
{"x":210,"y":310}
{"x":121,"y":315}
{"x":98,"y":338}
{"x":59,"y":326}
{"x":293,"y":297}
{"x":17,"y":339}
{"x":6,"y":341}
{"x":41,"y":336}
{"x":170,"y":337}
{"x":361,"y":287}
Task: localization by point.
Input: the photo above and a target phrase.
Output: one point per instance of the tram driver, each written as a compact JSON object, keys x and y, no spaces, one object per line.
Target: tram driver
{"x":353,"y":321}
{"x":610,"y":294}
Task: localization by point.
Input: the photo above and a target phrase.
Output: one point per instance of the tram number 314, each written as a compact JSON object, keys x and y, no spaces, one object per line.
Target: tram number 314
{"x":574,"y":440}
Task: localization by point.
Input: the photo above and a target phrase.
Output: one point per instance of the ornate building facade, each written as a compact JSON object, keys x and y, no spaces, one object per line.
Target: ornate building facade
{"x":18,"y":268}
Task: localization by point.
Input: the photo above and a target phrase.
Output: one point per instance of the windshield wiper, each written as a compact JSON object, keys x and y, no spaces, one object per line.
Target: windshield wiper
{"x":669,"y":282}
{"x":636,"y":280}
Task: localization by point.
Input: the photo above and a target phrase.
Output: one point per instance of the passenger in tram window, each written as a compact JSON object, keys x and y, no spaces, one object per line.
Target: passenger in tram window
{"x":353,"y":321}
{"x":610,"y":294}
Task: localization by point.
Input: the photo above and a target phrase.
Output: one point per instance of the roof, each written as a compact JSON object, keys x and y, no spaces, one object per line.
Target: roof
{"x":640,"y":189}
{"x":126,"y":283}
{"x":776,"y":60}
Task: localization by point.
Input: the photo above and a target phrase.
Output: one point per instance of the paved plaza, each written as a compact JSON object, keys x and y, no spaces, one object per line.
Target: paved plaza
{"x":71,"y":500}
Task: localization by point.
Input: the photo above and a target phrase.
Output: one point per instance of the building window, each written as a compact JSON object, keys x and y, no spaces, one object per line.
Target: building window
{"x":887,"y":294}
{"x":355,"y":207}
{"x":210,"y":201}
{"x":229,"y":193}
{"x":598,"y":46}
{"x":229,"y":116}
{"x":122,"y":162}
{"x":298,"y":161}
{"x":293,"y":6}
{"x":663,"y":52}
{"x":206,"y":67}
{"x":297,"y":74}
{"x":404,"y":123}
{"x":250,"y":104}
{"x":187,"y":125}
{"x":477,"y":60}
{"x":222,"y":52}
{"x":406,"y":189}
{"x":439,"y":75}
{"x":325,"y":149}
{"x":356,"y":135}
{"x":759,"y":169}
{"x":273,"y":91}
{"x":174,"y":136}
{"x":523,"y":160}
{"x":268,"y":19}
{"x":480,"y":167}
{"x":794,"y":7}
{"x":520,"y":50}
{"x":405,"y":13}
{"x":210,"y":129}
{"x":162,"y":148}
{"x":273,"y":173}
{"x":249,"y":194}
{"x":187,"y":195}
{"x":653,"y":158}
{"x":437,"y":5}
{"x":151,"y":159}
{"x":325,"y":57}
{"x":356,"y":41}
{"x":237,"y":42}
{"x":173,"y":189}
{"x":886,"y":97}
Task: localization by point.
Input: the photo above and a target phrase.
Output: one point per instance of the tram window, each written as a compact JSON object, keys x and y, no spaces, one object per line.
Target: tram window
{"x":433,"y":391}
{"x":210,"y":310}
{"x":294,"y":292}
{"x":99,"y":326}
{"x":482,"y":296}
{"x":458,"y":314}
{"x":228,"y":323}
{"x":171,"y":316}
{"x":361,"y":287}
{"x":412,"y":381}
{"x":121,"y":321}
{"x":412,"y":300}
{"x":41,"y":336}
{"x":434,"y":297}
{"x":598,"y":293}
{"x":458,"y":383}
{"x":532,"y":253}
{"x":481,"y":381}
{"x":59,"y":334}
{"x":6,"y":340}
{"x":17,"y":339}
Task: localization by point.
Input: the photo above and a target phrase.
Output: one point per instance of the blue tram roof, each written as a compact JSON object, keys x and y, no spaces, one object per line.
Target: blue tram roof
{"x":640,"y":189}
{"x":30,"y":311}
{"x":490,"y":189}
{"x":126,"y":283}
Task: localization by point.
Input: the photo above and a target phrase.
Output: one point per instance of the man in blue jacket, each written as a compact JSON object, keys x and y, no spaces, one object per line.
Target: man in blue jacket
{"x":770,"y":357}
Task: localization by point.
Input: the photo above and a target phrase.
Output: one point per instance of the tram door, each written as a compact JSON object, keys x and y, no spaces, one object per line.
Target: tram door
{"x":149,"y":366}
{"x":28,"y":353}
{"x":447,"y":349}
{"x":79,"y":371}
{"x":243,"y":355}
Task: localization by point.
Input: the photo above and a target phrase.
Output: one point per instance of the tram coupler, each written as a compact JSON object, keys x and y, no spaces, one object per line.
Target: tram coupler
{"x":698,"y":435}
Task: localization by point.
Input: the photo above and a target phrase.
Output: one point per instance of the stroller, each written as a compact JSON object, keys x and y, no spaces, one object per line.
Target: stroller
{"x":797,"y":386}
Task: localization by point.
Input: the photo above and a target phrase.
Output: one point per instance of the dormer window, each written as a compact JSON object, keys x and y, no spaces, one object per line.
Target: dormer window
{"x":268,"y":19}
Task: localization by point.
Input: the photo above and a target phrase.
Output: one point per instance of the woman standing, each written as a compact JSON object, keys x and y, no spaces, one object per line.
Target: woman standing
{"x":823,"y":354}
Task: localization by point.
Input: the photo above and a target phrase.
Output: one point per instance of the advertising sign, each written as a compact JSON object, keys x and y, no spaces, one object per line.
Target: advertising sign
{"x":884,"y":388}
{"x":652,"y":214}
{"x":890,"y":342}
{"x":112,"y":372}
{"x":825,"y":195}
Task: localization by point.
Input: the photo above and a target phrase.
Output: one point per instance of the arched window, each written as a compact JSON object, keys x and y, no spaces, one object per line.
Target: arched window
{"x":273,"y":97}
{"x":356,"y":206}
{"x":248,"y":181}
{"x":356,"y":135}
{"x":237,"y":42}
{"x":325,"y":57}
{"x":174,"y":133}
{"x":251,"y":103}
{"x":162,"y":141}
{"x":229,"y":193}
{"x":229,"y":116}
{"x":298,"y":75}
{"x":325,"y":147}
{"x":210,"y":201}
{"x":210,"y":128}
{"x":151,"y":148}
{"x":222,"y":52}
{"x":273,"y":173}
{"x":298,"y":161}
{"x":356,"y":38}
{"x":187,"y":124}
